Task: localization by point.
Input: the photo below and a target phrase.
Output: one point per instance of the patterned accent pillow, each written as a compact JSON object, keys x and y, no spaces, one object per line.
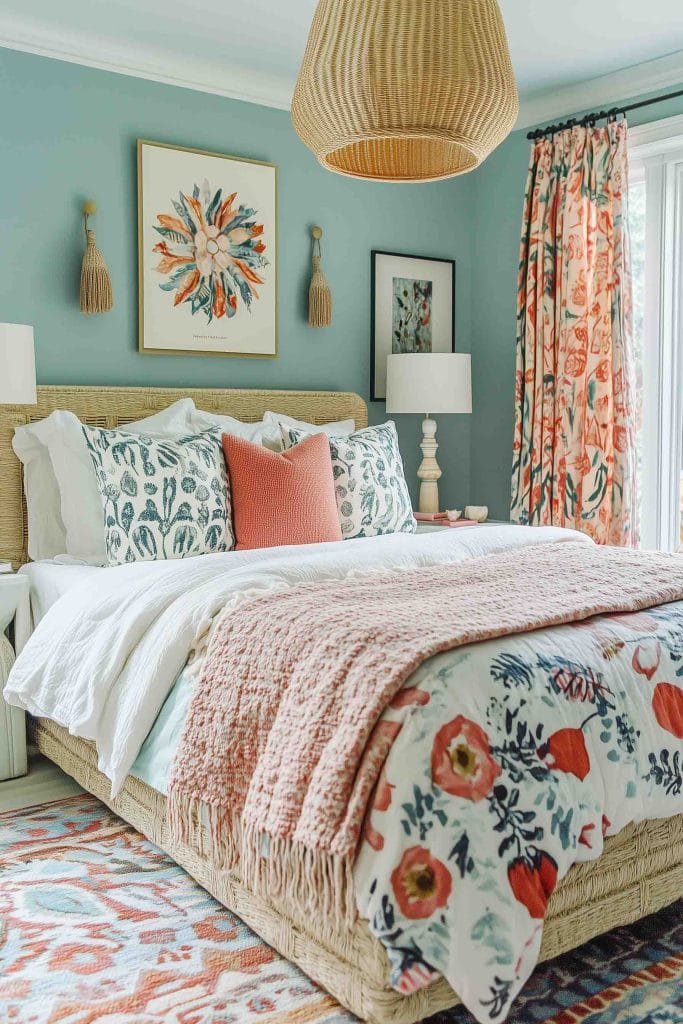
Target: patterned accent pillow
{"x":161,"y":497}
{"x":370,"y":486}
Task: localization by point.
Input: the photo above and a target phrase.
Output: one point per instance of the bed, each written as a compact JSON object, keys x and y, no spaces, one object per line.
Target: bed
{"x":640,"y":870}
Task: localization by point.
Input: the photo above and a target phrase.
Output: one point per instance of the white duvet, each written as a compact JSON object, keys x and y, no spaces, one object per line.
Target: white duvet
{"x":103,"y":659}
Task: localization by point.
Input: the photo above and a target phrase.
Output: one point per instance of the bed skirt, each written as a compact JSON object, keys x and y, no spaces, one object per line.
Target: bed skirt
{"x":639,"y":872}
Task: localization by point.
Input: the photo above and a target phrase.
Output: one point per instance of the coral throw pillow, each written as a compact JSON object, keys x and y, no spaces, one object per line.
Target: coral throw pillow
{"x":283,"y":498}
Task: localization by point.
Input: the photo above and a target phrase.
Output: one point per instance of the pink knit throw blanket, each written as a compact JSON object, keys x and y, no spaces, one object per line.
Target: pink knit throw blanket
{"x":275,"y":758}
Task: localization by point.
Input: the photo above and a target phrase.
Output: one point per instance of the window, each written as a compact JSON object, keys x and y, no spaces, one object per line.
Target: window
{"x":656,"y":224}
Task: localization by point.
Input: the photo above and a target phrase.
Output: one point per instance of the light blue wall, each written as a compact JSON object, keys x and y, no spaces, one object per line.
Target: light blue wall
{"x":68,"y":133}
{"x":498,"y":200}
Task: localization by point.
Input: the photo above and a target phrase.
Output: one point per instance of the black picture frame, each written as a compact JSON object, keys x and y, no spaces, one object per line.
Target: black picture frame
{"x":374,"y":254}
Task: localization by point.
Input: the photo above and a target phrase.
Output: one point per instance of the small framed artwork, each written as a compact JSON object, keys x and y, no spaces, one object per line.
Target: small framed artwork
{"x":207,"y":245}
{"x":413,"y":310}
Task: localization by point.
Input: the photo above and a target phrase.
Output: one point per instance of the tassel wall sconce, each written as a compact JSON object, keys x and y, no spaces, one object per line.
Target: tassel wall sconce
{"x":319,"y":295}
{"x":96,"y":293}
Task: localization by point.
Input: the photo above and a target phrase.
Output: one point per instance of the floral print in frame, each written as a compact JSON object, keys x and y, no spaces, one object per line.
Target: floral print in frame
{"x":207,"y":250}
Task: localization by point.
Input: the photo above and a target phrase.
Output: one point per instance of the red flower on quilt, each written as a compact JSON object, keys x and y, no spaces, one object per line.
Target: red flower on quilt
{"x":410,"y":695}
{"x":376,"y":753}
{"x":462,"y":764}
{"x":646,"y":657}
{"x":565,"y":751}
{"x":586,"y":837}
{"x":533,"y":884}
{"x":667,"y":704}
{"x":421,"y":883}
{"x":382,"y":798}
{"x":381,"y":801}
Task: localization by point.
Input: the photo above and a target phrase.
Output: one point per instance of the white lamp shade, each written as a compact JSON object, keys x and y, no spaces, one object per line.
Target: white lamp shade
{"x":429,"y":382}
{"x":17,"y":365}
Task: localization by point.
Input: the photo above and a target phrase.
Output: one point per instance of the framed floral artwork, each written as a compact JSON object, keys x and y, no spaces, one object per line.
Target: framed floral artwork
{"x":207,"y":241}
{"x":413,"y":310}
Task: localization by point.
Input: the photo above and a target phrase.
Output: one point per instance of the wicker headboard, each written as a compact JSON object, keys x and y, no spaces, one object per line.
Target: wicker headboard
{"x":110,"y":407}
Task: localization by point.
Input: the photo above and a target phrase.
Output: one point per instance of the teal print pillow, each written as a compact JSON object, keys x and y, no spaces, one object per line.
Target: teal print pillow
{"x":161,"y":497}
{"x":370,"y":485}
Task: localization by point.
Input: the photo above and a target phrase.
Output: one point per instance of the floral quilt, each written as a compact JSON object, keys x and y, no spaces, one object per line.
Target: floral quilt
{"x":512,"y":759}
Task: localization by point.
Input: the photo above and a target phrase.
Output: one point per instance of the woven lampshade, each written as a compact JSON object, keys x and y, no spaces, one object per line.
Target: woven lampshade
{"x":405,"y":90}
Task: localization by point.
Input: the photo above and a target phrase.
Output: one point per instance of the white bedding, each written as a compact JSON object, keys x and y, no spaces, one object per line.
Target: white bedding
{"x":104,"y":657}
{"x":50,"y":579}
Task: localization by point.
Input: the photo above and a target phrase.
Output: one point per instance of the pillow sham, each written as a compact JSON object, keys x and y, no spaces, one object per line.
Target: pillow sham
{"x":81,"y":507}
{"x":273,"y":421}
{"x":283,"y":498}
{"x":202,"y":420}
{"x":160,"y":497}
{"x":370,"y":486}
{"x":46,"y":533}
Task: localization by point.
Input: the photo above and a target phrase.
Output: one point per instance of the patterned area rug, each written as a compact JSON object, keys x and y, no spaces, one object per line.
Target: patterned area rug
{"x":97,"y":926}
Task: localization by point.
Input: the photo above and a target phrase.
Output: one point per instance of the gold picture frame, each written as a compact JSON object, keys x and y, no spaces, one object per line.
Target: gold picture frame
{"x":216,"y":296}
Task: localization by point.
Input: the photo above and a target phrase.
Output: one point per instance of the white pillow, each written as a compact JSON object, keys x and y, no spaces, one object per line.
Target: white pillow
{"x":272,"y":435}
{"x":73,"y":468}
{"x":202,"y":420}
{"x":46,"y":533}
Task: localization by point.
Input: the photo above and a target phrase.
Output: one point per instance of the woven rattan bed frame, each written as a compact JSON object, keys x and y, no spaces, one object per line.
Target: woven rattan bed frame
{"x":640,"y":870}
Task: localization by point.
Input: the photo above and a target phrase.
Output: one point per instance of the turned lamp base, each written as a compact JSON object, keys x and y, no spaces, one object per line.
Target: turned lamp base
{"x":441,"y":381}
{"x":429,"y":471}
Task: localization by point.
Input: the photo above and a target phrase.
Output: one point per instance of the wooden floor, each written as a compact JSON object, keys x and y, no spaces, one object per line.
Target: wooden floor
{"x":44,"y":782}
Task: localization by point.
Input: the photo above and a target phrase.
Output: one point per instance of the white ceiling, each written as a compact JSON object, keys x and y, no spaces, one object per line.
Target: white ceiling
{"x":251,"y":48}
{"x":561,"y":42}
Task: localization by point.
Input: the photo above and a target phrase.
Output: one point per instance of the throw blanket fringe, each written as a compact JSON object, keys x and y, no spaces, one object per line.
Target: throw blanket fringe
{"x":284,"y":741}
{"x":301,"y":879}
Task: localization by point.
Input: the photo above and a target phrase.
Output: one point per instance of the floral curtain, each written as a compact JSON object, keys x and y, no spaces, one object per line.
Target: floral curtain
{"x":574,"y":448}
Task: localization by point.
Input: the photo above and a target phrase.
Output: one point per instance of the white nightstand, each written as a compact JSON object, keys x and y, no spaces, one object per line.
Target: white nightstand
{"x":14,"y":608}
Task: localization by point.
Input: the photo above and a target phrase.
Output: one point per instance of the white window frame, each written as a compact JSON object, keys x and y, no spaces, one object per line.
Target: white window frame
{"x":656,"y":157}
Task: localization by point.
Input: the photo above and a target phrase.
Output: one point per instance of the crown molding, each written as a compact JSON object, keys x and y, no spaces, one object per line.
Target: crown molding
{"x":606,"y":90}
{"x":236,"y":83}
{"x":239,"y":83}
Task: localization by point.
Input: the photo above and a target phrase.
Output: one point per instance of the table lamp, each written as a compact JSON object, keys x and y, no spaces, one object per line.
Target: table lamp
{"x":429,"y":382}
{"x":17,"y":365}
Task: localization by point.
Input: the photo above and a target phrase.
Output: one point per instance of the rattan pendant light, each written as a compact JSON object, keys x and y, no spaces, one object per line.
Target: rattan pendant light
{"x":405,"y":90}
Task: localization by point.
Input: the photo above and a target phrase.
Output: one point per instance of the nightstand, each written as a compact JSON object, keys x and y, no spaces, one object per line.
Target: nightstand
{"x":14,"y":610}
{"x":424,"y":527}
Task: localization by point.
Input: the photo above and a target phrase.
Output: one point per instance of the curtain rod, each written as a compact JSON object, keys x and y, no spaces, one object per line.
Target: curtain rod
{"x":590,"y":119}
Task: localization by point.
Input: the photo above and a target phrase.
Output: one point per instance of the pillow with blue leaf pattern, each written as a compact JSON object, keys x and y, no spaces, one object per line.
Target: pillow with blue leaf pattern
{"x":161,"y":497}
{"x":369,"y":483}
